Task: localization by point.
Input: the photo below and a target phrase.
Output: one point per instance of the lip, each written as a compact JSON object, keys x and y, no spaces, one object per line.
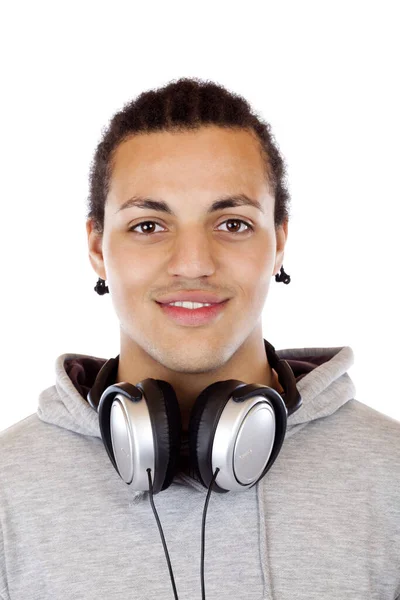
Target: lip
{"x":193,"y":317}
{"x":192,"y":296}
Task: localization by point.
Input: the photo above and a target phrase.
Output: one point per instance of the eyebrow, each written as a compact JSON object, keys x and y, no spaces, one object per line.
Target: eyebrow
{"x":226,"y":201}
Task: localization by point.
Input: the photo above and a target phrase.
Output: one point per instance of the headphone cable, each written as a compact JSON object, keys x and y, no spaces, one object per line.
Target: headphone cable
{"x":203,"y":529}
{"x":203,"y":594}
{"x":161,"y":533}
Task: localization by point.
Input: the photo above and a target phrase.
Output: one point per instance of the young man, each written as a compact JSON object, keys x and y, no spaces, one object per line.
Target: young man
{"x":188,"y":204}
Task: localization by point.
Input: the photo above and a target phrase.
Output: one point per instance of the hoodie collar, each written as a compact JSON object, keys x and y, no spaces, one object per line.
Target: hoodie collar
{"x":321,"y":378}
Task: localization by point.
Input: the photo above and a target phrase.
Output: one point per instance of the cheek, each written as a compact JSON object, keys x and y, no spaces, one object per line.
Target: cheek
{"x":130,"y":270}
{"x":252,"y":274}
{"x":253,"y":267}
{"x":133,"y":278}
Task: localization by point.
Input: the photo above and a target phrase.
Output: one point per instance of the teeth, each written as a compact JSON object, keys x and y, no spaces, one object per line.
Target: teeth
{"x":189,"y":304}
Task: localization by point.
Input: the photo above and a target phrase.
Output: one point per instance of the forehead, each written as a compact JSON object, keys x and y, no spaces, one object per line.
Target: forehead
{"x":210,"y":159}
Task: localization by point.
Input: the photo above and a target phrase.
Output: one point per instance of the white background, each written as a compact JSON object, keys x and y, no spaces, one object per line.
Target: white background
{"x":324,"y":74}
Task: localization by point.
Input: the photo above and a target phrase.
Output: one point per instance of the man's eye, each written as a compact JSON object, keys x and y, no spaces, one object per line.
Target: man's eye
{"x":147,"y":233}
{"x":143,"y":223}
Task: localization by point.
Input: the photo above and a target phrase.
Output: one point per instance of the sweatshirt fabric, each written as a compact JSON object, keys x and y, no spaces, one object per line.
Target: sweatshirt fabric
{"x":323,"y":523}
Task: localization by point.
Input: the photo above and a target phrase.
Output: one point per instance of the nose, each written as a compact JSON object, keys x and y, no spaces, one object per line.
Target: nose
{"x":193,"y":254}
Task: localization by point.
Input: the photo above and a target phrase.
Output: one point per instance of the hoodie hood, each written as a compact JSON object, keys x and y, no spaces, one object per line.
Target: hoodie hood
{"x":321,"y":378}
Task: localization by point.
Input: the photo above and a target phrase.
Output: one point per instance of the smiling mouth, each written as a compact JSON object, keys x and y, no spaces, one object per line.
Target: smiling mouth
{"x":193,"y":316}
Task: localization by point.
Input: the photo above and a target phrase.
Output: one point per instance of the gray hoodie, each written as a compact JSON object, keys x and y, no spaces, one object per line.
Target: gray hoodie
{"x":324,"y":522}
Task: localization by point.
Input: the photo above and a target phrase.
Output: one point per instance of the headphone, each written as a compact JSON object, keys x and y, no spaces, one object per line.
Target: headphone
{"x":236,"y":427}
{"x":236,"y":431}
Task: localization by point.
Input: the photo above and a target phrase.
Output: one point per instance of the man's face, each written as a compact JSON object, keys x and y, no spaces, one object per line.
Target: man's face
{"x":191,"y":250}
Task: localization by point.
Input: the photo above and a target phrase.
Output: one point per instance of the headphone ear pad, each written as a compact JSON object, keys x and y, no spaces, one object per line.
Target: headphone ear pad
{"x":193,"y":433}
{"x":203,"y":423}
{"x":166,"y":414}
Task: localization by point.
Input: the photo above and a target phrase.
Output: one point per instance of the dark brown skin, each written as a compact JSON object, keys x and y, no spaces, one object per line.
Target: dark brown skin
{"x":191,"y":251}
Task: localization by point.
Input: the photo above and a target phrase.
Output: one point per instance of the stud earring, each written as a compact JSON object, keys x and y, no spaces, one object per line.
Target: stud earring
{"x":101,"y":287}
{"x":282,"y":276}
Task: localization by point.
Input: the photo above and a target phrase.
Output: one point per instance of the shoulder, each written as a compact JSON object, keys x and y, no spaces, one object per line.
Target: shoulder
{"x":367,"y":421}
{"x":21,"y":443}
{"x":367,"y":440}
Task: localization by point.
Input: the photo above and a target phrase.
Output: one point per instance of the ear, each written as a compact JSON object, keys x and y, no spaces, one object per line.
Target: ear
{"x":95,"y":244}
{"x":281,"y":238}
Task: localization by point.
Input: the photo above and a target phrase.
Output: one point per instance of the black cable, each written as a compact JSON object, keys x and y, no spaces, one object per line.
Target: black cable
{"x":203,"y":528}
{"x":161,"y":533}
{"x":203,"y":593}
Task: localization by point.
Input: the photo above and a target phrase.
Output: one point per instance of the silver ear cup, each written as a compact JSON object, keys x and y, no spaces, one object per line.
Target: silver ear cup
{"x":243,"y":442}
{"x":132,"y":441}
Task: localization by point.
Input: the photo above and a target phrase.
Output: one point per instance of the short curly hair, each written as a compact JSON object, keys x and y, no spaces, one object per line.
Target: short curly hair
{"x":182,"y":105}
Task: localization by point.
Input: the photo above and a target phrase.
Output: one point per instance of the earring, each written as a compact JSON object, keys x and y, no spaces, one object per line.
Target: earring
{"x":282,"y":276}
{"x":101,"y":287}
